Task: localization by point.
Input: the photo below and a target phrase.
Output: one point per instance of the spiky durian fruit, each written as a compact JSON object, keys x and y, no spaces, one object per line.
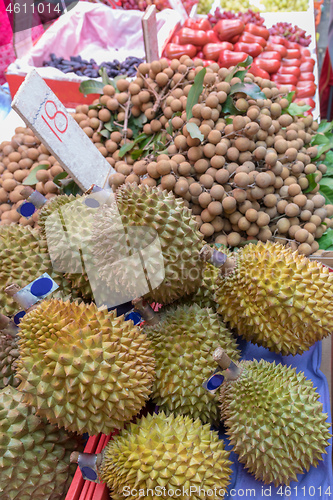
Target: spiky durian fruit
{"x":8,"y":356}
{"x":67,"y":225}
{"x":34,"y":455}
{"x":172,"y":452}
{"x":274,"y":420}
{"x":277,"y":298}
{"x":24,"y":257}
{"x":51,"y":206}
{"x":83,"y":369}
{"x":183,"y":342}
{"x":204,"y":296}
{"x":141,"y":214}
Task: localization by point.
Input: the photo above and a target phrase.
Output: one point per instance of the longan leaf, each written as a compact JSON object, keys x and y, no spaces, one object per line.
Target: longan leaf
{"x":194,"y":131}
{"x":194,"y":93}
{"x":250,"y":89}
{"x":105,"y":133}
{"x":126,"y":148}
{"x":312,"y":183}
{"x":325,"y":126}
{"x":248,"y":61}
{"x":91,"y":87}
{"x":326,"y":189}
{"x":58,"y":178}
{"x":290,"y":96}
{"x":71,"y":188}
{"x":295,"y":110}
{"x":31,"y":180}
{"x":329,"y":164}
{"x":229,"y":107}
{"x":326,"y":241}
{"x":105,"y":79}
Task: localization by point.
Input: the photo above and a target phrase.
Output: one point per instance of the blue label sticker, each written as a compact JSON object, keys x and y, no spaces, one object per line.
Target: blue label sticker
{"x":92,"y":202}
{"x":41,"y":287}
{"x":215,"y":381}
{"x":134,"y":316}
{"x":89,"y":473}
{"x":27,"y":209}
{"x":18,"y":317}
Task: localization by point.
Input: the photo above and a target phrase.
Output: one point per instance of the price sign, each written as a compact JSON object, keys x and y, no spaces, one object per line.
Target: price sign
{"x":42,"y":111}
{"x":149,"y":28}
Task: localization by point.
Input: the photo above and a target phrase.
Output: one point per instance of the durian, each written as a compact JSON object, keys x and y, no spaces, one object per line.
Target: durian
{"x":145,"y":212}
{"x":66,"y":223}
{"x":83,"y":369}
{"x":24,"y":258}
{"x":34,"y":455}
{"x":172,"y":452}
{"x":8,"y":356}
{"x":277,"y":298}
{"x":183,"y":343}
{"x":55,"y":204}
{"x":274,"y":421}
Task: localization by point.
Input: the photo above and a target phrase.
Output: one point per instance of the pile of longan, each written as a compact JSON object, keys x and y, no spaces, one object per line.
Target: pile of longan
{"x":246,"y":180}
{"x":17,"y":158}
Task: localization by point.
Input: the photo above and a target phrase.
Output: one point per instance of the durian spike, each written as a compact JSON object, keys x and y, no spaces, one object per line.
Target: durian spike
{"x":231,"y":370}
{"x":217,"y":259}
{"x":8,"y":326}
{"x":146,"y":311}
{"x":33,"y":197}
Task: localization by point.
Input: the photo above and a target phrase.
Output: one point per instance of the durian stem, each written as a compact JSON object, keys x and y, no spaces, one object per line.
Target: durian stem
{"x":218,"y":259}
{"x":146,"y":311}
{"x":12,"y":291}
{"x":33,"y":197}
{"x":76,"y":456}
{"x":231,"y":370}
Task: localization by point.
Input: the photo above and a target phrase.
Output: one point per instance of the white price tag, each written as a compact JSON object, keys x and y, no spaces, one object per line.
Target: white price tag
{"x":149,"y":28}
{"x":42,"y":111}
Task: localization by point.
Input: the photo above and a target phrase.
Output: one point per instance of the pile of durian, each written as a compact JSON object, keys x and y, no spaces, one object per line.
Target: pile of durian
{"x":74,"y":367}
{"x":71,"y":365}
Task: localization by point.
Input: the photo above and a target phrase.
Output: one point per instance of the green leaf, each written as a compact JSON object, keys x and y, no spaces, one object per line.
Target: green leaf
{"x":194,"y":93}
{"x":295,"y":110}
{"x":329,"y":164}
{"x":312,"y":183}
{"x":71,"y":188}
{"x":326,"y":189}
{"x":290,"y":96}
{"x":126,"y":148}
{"x":229,"y":108}
{"x":136,"y":123}
{"x":320,"y":139}
{"x":326,"y":241}
{"x":169,"y":127}
{"x":31,"y":180}
{"x":250,"y":89}
{"x":110,"y":125}
{"x":325,"y":126}
{"x":241,"y":74}
{"x":105,"y":79}
{"x":95,"y":106}
{"x":248,"y":61}
{"x":229,"y":120}
{"x":137,"y":154}
{"x":105,"y":133}
{"x":58,"y":178}
{"x":194,"y":131}
{"x":91,"y":87}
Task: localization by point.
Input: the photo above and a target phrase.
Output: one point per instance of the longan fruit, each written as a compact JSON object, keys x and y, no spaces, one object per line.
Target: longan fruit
{"x":42,"y":175}
{"x":259,"y":153}
{"x":9,"y":184}
{"x":217,"y":223}
{"x":206,"y":180}
{"x":204,"y":199}
{"x":242,"y":144}
{"x":251,"y":215}
{"x":194,"y":153}
{"x":215,"y":208}
{"x":207,"y":229}
{"x":305,"y":249}
{"x":206,"y":216}
{"x":263,"y":180}
{"x":253,"y":230}
{"x":243,"y":223}
{"x":217,"y":192}
{"x":195,"y":189}
{"x":321,"y":212}
{"x":221,"y":239}
{"x":305,"y":215}
{"x":221,"y":148}
{"x":318,"y":201}
{"x":257,"y":193}
{"x":181,"y":187}
{"x":50,"y":187}
{"x":242,"y":179}
{"x":233,"y":154}
{"x":222,"y":176}
{"x":239,"y":195}
{"x":229,"y":204}
{"x":294,"y":190}
{"x":209,"y":150}
{"x":20,"y":175}
{"x":301,"y":235}
{"x":263,"y":219}
{"x":292,"y":210}
{"x":168,"y":182}
{"x":233,"y":239}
